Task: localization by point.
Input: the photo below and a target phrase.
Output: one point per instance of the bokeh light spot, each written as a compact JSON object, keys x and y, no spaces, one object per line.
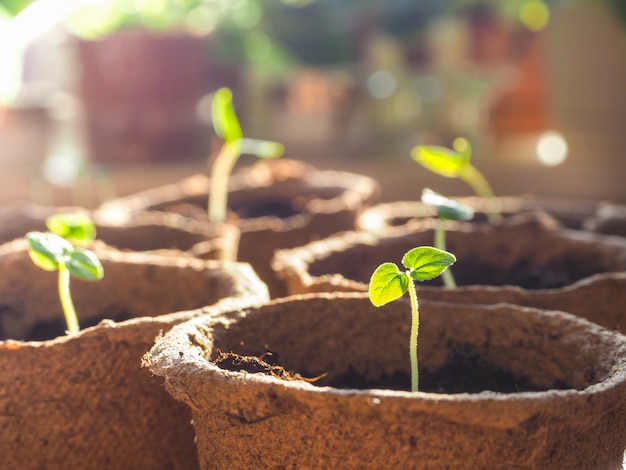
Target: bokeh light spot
{"x":381,"y":84}
{"x":534,"y":14}
{"x":552,"y":148}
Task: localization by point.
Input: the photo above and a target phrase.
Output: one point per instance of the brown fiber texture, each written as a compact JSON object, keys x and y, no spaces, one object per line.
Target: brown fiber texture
{"x":146,"y":231}
{"x":82,"y":401}
{"x":527,"y":260}
{"x":244,"y":420}
{"x":571,"y":213}
{"x":278,"y":204}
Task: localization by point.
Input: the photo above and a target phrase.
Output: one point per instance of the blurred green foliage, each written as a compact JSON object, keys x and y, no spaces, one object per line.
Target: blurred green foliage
{"x":13,"y":7}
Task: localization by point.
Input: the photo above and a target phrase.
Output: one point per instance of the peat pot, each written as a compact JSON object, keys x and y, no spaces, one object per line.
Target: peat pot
{"x":599,"y":217}
{"x":527,"y":260}
{"x":82,"y":401}
{"x":502,"y":387}
{"x":147,"y":231}
{"x":278,"y":204}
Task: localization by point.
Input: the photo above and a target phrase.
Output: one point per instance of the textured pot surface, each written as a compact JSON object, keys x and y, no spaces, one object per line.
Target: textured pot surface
{"x":599,"y":298}
{"x":543,"y":262}
{"x":145,"y":231}
{"x":568,"y":414}
{"x":278,"y":204}
{"x":82,"y":401}
{"x":600,"y":217}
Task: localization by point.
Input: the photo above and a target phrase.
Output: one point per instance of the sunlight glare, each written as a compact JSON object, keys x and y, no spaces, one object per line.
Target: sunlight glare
{"x":552,"y":148}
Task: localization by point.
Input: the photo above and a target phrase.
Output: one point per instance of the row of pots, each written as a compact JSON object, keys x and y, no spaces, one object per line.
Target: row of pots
{"x":83,"y":401}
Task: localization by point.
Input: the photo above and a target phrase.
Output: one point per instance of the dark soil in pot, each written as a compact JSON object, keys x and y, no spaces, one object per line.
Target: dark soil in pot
{"x":599,"y":217}
{"x":252,"y":420}
{"x":528,"y":251}
{"x":462,"y":373}
{"x":277,"y":204}
{"x":82,"y":401}
{"x":554,"y":268}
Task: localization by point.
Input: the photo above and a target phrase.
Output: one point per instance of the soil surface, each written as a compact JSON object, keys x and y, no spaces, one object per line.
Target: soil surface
{"x":278,"y":208}
{"x":46,"y":330}
{"x":463,"y":372}
{"x":548,"y":276}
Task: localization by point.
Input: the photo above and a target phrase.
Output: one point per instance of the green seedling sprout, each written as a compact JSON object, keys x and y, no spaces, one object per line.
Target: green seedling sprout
{"x":77,"y":229}
{"x":226,"y":126}
{"x":455,"y":163}
{"x":447,"y":209}
{"x":389,"y":283}
{"x":52,"y":252}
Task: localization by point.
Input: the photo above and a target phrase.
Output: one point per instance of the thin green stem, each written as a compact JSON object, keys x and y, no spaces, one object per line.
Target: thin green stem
{"x":415,"y":324}
{"x":218,"y":183}
{"x":440,"y":242}
{"x":66,"y":300}
{"x":479,"y":184}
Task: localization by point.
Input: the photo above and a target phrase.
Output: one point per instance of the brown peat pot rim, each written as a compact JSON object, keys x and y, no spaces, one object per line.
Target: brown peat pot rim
{"x":197,"y":362}
{"x":237,"y":280}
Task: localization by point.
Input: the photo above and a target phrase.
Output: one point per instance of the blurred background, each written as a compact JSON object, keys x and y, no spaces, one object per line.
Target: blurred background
{"x":104,"y":98}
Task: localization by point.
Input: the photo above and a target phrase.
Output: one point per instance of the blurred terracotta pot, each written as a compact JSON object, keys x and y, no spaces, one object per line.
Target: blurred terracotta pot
{"x":140,"y":90}
{"x":549,"y":266}
{"x":503,"y":387}
{"x":278,"y":204}
{"x":82,"y":401}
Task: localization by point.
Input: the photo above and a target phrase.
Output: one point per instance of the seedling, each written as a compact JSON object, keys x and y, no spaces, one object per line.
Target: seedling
{"x":52,"y":252}
{"x":455,"y":163}
{"x":227,"y":127}
{"x":75,"y":228}
{"x":447,"y":209}
{"x":389,"y":283}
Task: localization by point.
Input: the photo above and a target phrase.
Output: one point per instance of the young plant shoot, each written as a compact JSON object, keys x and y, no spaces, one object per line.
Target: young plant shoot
{"x":77,"y":229}
{"x":389,"y":283}
{"x":447,"y":209}
{"x":455,"y":163}
{"x":226,"y":126}
{"x":52,"y":252}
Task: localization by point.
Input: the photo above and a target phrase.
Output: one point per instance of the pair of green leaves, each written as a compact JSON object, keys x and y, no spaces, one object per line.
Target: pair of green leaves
{"x":53,"y":252}
{"x":388,"y":283}
{"x":49,"y":250}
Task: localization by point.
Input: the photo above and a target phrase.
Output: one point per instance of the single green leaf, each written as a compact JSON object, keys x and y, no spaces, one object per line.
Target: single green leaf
{"x":224,"y":118}
{"x":447,"y":208}
{"x":47,"y":250}
{"x":440,"y":160}
{"x":84,"y":264}
{"x":72,"y":227}
{"x":426,"y":262}
{"x":387,"y":284}
{"x":43,"y":261}
{"x":262,"y":148}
